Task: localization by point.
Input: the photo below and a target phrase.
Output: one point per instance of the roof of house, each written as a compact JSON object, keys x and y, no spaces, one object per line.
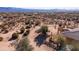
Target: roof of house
{"x":73,"y":34}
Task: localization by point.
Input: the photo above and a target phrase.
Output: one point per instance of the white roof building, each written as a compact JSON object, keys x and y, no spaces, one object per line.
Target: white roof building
{"x":73,"y":34}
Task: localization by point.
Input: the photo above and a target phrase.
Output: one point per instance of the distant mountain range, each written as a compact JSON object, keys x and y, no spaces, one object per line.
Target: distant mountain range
{"x":12,"y":9}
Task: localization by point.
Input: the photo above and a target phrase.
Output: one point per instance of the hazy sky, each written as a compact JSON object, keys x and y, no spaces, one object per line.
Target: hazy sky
{"x":46,"y":4}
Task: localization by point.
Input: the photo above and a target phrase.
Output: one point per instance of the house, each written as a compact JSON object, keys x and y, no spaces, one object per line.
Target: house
{"x":73,"y":34}
{"x":72,"y":37}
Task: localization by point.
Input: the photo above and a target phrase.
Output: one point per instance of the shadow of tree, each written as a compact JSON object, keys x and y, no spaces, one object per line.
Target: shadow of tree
{"x":40,"y":39}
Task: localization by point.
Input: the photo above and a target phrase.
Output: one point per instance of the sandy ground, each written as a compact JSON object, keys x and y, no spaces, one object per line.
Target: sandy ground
{"x":31,"y":38}
{"x":5,"y":44}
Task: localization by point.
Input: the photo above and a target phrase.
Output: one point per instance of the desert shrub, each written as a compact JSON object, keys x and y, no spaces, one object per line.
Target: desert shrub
{"x":24,"y":45}
{"x":32,"y":22}
{"x":28,"y":26}
{"x":58,"y":38}
{"x":44,"y":29}
{"x":26,"y":33}
{"x":1,"y":38}
{"x":15,"y":35}
{"x":59,"y":41}
{"x":65,"y":45}
{"x":27,"y":22}
{"x":6,"y":31}
{"x":37,"y":23}
{"x":22,"y":30}
{"x":60,"y":25}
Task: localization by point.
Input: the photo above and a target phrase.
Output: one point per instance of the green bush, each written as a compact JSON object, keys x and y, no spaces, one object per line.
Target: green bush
{"x":44,"y":29}
{"x":24,"y":45}
{"x":58,"y":40}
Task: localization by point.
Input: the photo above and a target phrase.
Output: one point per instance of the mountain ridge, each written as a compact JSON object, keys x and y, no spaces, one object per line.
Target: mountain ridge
{"x":14,"y":9}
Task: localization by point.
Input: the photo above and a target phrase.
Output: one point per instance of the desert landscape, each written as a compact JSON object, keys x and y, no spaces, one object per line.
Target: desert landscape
{"x":39,"y":31}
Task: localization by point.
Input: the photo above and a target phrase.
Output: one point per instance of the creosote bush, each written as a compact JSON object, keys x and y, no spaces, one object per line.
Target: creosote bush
{"x":44,"y":29}
{"x":28,"y":27}
{"x":26,"y":33}
{"x":15,"y":35}
{"x":58,"y":40}
{"x":22,"y":30}
{"x":24,"y":45}
{"x":6,"y":31}
{"x":37,"y":23}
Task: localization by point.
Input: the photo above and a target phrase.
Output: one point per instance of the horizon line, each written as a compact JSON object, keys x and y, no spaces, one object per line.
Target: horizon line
{"x":46,"y":8}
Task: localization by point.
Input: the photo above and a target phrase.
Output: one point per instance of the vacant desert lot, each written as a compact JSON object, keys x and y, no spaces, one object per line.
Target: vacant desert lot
{"x":35,"y":31}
